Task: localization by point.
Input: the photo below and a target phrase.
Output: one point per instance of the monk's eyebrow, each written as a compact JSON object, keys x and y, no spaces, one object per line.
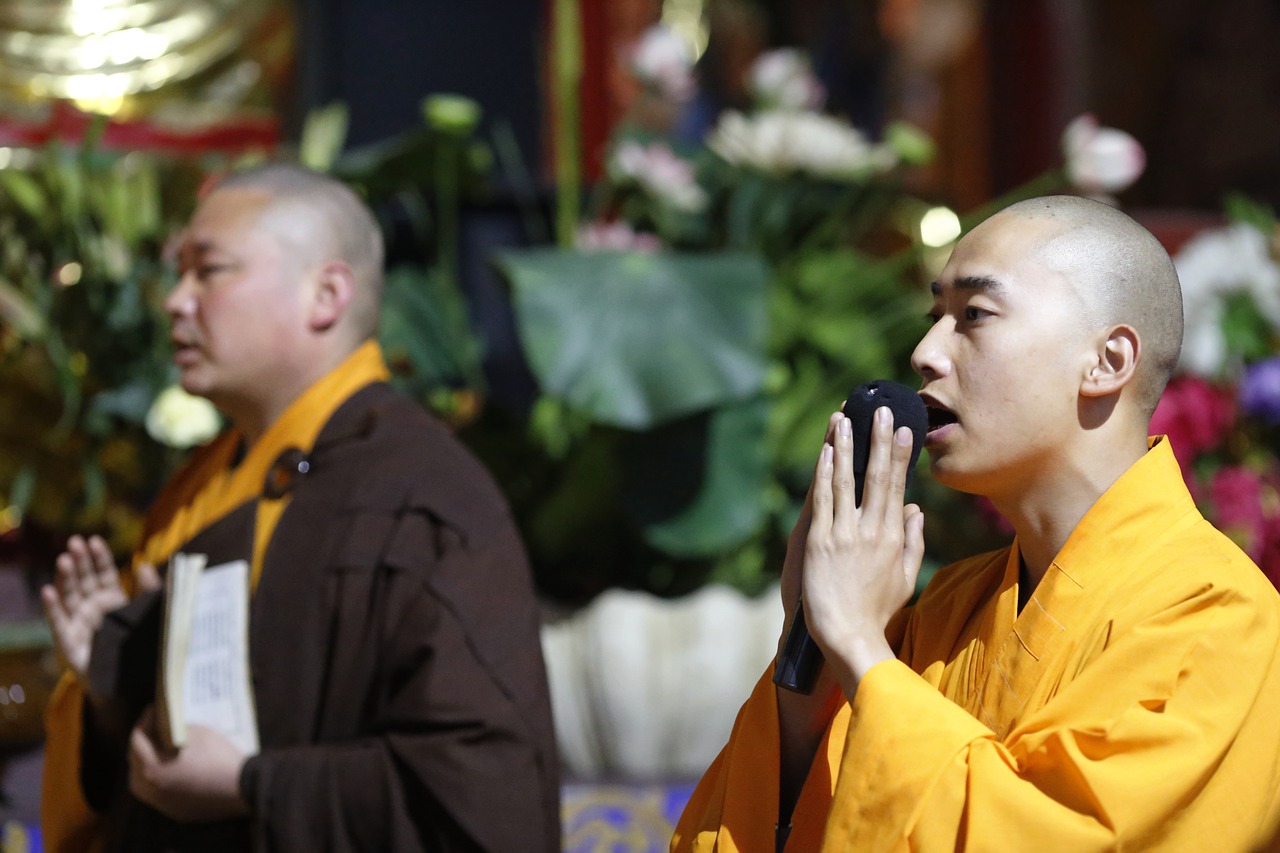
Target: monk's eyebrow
{"x":979,"y":283}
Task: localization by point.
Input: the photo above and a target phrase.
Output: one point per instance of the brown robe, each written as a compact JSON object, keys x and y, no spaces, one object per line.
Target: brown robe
{"x":401,"y":695}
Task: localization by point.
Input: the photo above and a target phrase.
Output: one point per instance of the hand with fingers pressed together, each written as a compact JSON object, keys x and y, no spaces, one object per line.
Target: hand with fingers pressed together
{"x":860,"y":562}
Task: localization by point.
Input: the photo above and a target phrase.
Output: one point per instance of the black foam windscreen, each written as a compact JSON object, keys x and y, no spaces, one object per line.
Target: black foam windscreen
{"x":798,"y":665}
{"x":908,"y":410}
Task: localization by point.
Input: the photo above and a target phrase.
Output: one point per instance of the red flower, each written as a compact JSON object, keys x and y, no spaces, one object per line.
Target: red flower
{"x":1196,"y":415}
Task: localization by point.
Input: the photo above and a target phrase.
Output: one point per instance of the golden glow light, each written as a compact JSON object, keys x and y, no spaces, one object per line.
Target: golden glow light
{"x":69,"y":274}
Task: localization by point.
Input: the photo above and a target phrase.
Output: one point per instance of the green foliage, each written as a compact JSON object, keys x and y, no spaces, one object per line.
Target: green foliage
{"x":1242,"y":208}
{"x":84,"y":345}
{"x":686,"y":390}
{"x":83,"y":337}
{"x":635,"y":340}
{"x":425,"y":334}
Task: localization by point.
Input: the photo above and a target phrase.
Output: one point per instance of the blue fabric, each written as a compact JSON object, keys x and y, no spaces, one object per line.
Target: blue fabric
{"x":19,"y":837}
{"x":621,"y":818}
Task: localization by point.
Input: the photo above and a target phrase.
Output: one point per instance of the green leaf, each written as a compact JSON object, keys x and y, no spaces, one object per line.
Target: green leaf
{"x":635,"y":340}
{"x":912,"y":145}
{"x":17,"y":312}
{"x":26,"y":193}
{"x":1241,"y":208}
{"x":425,"y":334}
{"x":130,"y":402}
{"x":448,"y":113}
{"x":1246,"y":329}
{"x":855,"y":340}
{"x":95,"y":486}
{"x":323,"y":133}
{"x":697,"y":486}
{"x":24,"y":486}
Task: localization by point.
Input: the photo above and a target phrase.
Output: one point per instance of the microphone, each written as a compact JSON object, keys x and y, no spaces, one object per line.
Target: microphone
{"x":801,"y":659}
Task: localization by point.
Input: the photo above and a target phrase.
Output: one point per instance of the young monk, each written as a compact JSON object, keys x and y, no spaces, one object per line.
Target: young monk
{"x":1108,"y":681}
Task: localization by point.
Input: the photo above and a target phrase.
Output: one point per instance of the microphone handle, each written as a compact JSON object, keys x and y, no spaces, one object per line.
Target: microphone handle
{"x":801,"y":660}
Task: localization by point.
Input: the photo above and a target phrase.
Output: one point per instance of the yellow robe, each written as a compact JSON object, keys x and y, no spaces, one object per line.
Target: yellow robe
{"x":208,"y":488}
{"x":1131,"y":705}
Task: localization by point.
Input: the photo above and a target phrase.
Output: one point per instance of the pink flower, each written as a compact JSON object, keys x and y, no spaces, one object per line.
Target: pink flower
{"x":663,"y":60}
{"x":660,"y":172}
{"x":1101,"y":160}
{"x":614,"y":237}
{"x":1196,"y":415}
{"x":1246,"y":507}
{"x":783,"y":79}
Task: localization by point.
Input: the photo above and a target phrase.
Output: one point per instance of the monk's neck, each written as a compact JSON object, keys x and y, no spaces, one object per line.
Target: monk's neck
{"x":1044,"y":513}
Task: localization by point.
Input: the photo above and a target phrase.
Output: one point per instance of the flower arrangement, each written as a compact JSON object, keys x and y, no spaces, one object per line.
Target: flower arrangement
{"x":718,"y":297}
{"x":1222,"y":410}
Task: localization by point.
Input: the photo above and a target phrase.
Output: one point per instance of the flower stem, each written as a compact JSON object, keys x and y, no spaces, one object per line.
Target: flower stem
{"x":1054,"y":180}
{"x":567,"y":71}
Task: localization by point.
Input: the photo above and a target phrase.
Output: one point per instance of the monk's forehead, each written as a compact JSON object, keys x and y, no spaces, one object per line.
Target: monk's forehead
{"x":1003,"y":248}
{"x":228,"y":211}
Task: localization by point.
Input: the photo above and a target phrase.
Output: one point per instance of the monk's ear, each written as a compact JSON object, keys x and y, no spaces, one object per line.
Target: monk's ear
{"x":333,"y":289}
{"x":1115,"y":363}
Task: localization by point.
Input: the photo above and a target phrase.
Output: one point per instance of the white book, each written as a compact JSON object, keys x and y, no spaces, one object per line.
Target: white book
{"x":204,"y":676}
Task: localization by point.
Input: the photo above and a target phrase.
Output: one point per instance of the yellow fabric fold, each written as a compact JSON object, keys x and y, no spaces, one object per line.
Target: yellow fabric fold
{"x":209,"y":487}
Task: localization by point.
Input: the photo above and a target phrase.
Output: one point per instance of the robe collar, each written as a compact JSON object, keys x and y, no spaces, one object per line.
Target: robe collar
{"x":215,"y":483}
{"x":1150,"y":495}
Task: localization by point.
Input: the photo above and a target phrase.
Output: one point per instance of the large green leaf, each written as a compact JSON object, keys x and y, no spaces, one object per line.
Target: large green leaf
{"x":697,"y":487}
{"x":425,"y":334}
{"x":635,"y":340}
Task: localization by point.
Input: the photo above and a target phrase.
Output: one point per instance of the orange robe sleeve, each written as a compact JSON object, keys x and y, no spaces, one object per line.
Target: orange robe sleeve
{"x":1129,"y":705}
{"x":68,"y":824}
{"x":1158,"y":744}
{"x":735,"y":805}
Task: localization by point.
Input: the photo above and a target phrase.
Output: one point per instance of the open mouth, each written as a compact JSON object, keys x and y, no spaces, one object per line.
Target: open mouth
{"x":940,"y":417}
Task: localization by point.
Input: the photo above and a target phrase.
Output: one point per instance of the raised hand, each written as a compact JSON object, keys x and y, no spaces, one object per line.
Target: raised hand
{"x":86,"y":587}
{"x":860,"y":563}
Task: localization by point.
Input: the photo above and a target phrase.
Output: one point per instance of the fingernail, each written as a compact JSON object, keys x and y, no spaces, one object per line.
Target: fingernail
{"x":884,"y":417}
{"x":846,"y":428}
{"x":903,"y":436}
{"x":827,"y":451}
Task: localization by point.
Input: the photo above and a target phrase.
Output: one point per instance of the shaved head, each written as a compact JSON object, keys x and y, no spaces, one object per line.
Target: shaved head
{"x":1122,"y":274}
{"x":321,"y":219}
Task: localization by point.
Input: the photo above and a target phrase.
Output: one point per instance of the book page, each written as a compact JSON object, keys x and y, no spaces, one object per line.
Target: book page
{"x":181,"y":588}
{"x":217,"y":688}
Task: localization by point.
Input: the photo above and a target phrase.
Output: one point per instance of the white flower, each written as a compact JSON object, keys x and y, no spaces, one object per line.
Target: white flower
{"x":660,"y":173}
{"x":1211,"y":267}
{"x":783,"y":79}
{"x":781,"y":142}
{"x":1101,"y":159}
{"x":179,"y":419}
{"x":614,"y":237}
{"x":664,"y":60}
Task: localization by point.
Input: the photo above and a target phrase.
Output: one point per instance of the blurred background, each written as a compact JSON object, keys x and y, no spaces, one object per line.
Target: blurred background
{"x":638,"y":251}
